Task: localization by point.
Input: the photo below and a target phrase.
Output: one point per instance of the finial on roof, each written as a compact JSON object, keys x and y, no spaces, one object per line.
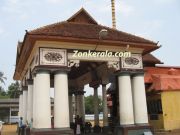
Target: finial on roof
{"x":113,"y":14}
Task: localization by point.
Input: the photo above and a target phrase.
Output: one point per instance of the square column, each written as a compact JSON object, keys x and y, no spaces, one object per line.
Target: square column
{"x":80,"y":103}
{"x":105,"y":108}
{"x":41,"y":103}
{"x":82,"y":106}
{"x":24,"y":104}
{"x":139,"y":99}
{"x":96,"y":107}
{"x":70,"y":108}
{"x":34,"y":102}
{"x":125,"y":99}
{"x":30,"y":101}
{"x":20,"y":104}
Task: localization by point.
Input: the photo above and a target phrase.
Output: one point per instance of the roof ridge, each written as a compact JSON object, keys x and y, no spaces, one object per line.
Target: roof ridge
{"x":82,"y":23}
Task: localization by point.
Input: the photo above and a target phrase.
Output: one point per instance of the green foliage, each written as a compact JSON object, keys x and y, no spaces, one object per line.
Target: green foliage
{"x":89,"y":104}
{"x":3,"y":94}
{"x":14,"y":90}
{"x":2,"y":91}
{"x":4,"y":97}
{"x":2,"y":78}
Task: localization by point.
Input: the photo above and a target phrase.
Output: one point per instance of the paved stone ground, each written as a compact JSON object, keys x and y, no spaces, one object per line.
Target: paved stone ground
{"x":11,"y":130}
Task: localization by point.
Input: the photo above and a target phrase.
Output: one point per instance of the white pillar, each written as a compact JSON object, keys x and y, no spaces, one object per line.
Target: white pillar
{"x":34,"y":102}
{"x":70,"y":108}
{"x":30,"y":101}
{"x":61,"y":102}
{"x":41,"y":104}
{"x":139,"y":98}
{"x":24,"y":115}
{"x":105,"y":108}
{"x":20,"y":104}
{"x":96,"y":107}
{"x":10,"y":115}
{"x":125,"y":100}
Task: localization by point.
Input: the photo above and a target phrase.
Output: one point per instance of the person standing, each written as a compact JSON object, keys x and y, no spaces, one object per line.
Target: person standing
{"x":77,"y":125}
{"x":21,"y":127}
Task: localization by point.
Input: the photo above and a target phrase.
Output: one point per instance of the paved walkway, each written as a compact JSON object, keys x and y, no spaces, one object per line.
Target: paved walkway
{"x":11,"y":130}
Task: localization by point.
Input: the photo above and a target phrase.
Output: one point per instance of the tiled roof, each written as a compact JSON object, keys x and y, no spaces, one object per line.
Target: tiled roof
{"x":163,"y":78}
{"x":82,"y":25}
{"x":149,"y":58}
{"x":166,"y":82}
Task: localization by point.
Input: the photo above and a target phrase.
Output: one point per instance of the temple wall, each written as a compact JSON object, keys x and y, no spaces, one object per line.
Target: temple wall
{"x":171,"y":109}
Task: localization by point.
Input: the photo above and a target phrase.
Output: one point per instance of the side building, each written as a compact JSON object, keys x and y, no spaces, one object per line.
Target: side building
{"x":163,"y":94}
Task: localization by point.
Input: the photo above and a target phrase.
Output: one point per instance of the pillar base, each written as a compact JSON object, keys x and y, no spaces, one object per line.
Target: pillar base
{"x":134,"y":130}
{"x":58,"y":131}
{"x":106,"y":130}
{"x":97,"y":129}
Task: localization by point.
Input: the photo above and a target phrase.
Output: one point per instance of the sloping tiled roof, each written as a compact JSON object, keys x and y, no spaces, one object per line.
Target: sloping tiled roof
{"x":82,"y":25}
{"x":80,"y":28}
{"x":163,"y":78}
{"x":149,"y":58}
{"x":166,"y":82}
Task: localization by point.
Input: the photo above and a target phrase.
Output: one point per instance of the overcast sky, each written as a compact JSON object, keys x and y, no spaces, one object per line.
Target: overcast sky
{"x":157,"y":20}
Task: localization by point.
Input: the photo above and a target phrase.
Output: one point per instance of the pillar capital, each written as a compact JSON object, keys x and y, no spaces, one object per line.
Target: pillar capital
{"x":129,"y":72}
{"x":62,"y":70}
{"x":95,"y":84}
{"x":20,"y":92}
{"x":70,"y":93}
{"x":138,"y":74}
{"x":30,"y":81}
{"x":24,"y":88}
{"x":50,"y":69}
{"x":103,"y":85}
{"x":123,"y":73}
{"x":78,"y":92}
{"x":41,"y":70}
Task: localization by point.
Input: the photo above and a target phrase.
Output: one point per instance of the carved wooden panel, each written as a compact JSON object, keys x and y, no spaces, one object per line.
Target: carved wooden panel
{"x":50,"y":56}
{"x":133,"y":62}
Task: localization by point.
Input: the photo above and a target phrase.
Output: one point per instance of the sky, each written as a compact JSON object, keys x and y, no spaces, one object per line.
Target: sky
{"x":157,"y":20}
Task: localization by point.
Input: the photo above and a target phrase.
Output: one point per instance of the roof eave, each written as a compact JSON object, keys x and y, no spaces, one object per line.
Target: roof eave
{"x":35,"y":37}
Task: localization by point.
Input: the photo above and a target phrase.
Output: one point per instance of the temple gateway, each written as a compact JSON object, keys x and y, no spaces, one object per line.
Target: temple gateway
{"x":45,"y":60}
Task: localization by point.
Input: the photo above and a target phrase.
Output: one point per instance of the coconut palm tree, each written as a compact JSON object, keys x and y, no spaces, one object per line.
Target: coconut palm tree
{"x":2,"y":77}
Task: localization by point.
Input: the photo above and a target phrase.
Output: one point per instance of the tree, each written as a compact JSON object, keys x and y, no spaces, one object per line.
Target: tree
{"x":2,"y":78}
{"x":89,"y":104}
{"x":14,"y":90}
{"x":2,"y":91}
